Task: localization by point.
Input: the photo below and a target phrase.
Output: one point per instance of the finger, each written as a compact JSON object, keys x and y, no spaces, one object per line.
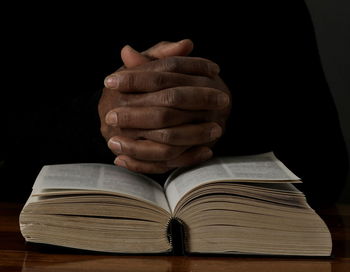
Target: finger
{"x":144,"y":149}
{"x":182,"y":65}
{"x":132,"y":58}
{"x":186,"y":98}
{"x":149,"y":81}
{"x":166,"y":49}
{"x":192,"y":156}
{"x":152,"y":117}
{"x":184,"y":135}
{"x":176,"y":64}
{"x":141,"y":166}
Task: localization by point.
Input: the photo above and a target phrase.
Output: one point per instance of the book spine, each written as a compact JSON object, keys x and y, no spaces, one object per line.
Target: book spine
{"x":176,"y":236}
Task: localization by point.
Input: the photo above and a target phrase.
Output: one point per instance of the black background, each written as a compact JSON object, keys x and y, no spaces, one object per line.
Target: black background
{"x":55,"y":58}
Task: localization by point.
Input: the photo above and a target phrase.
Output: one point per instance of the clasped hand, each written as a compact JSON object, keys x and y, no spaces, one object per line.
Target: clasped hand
{"x":163,"y":110}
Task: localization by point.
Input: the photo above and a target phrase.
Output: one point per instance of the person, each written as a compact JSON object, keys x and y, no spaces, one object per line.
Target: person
{"x":181,"y":106}
{"x":162,"y":109}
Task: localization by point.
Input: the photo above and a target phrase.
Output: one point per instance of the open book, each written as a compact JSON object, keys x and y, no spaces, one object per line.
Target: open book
{"x":244,"y":205}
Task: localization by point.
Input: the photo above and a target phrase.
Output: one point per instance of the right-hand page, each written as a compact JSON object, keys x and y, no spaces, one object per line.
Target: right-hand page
{"x":253,"y":168}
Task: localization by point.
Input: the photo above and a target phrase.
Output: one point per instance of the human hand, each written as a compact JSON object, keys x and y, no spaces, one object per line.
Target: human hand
{"x":162,"y":113}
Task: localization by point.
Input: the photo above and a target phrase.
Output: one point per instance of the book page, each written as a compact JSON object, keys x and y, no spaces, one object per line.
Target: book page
{"x":254,"y":168}
{"x":103,"y":177}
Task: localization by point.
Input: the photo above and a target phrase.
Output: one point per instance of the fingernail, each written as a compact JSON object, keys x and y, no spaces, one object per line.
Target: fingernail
{"x":112,"y":118}
{"x":130,"y":48}
{"x":222,"y":100}
{"x":112,"y":82}
{"x":205,"y":155}
{"x":215,"y":132}
{"x":115,"y":145}
{"x":120,"y":162}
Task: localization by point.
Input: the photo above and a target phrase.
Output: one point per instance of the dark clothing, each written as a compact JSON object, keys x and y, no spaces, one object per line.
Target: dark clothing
{"x":268,"y":58}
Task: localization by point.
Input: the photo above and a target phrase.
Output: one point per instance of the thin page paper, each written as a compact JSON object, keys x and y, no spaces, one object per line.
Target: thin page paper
{"x":100,"y":177}
{"x":255,"y":168}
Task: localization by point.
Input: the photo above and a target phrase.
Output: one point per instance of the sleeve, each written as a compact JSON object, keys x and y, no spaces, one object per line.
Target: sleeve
{"x":281,"y":102}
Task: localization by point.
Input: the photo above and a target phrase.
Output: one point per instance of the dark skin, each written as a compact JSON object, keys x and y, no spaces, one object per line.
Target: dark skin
{"x":163,"y":109}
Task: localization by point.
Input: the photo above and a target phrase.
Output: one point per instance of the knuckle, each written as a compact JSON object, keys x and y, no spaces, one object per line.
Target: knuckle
{"x":211,"y":97}
{"x":104,"y":131}
{"x":207,"y":97}
{"x":136,"y":167}
{"x":130,"y":150}
{"x":128,"y":132}
{"x":124,"y":118}
{"x":208,"y":68}
{"x":170,"y":64}
{"x":162,"y":117}
{"x":168,"y":152}
{"x":158,"y":79}
{"x":102,"y":103}
{"x":203,"y":65}
{"x":206,"y":82}
{"x":121,"y":99}
{"x":165,"y":136}
{"x":160,"y":168}
{"x":102,"y":110}
{"x":170,"y":97}
{"x":128,"y":80}
{"x":163,"y":169}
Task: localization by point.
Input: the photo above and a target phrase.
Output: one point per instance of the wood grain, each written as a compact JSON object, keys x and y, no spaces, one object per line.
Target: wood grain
{"x":16,"y":255}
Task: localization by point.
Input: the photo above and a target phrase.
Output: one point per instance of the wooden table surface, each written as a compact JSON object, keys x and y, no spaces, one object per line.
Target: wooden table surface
{"x":16,"y":255}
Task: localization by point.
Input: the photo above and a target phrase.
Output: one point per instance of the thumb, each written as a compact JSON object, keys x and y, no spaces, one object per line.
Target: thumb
{"x":132,"y":58}
{"x":169,"y":49}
